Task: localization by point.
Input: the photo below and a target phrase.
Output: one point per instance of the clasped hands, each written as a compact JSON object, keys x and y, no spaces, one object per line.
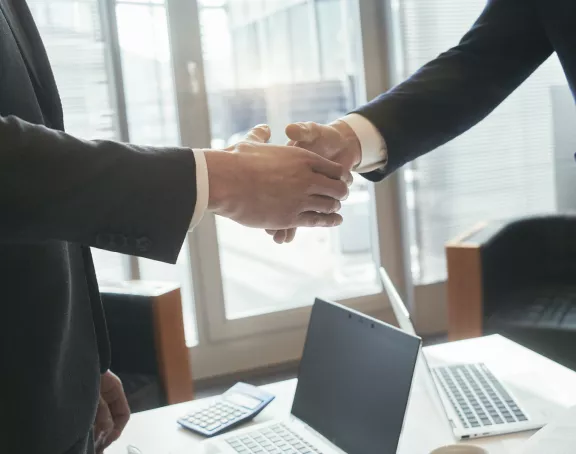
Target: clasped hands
{"x":281,"y":188}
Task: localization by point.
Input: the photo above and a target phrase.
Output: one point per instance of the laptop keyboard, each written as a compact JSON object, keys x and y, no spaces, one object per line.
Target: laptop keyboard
{"x":478,"y":397}
{"x":276,"y":439}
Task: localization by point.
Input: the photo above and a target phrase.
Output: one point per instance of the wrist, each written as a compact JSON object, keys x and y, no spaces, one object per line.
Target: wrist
{"x":220,"y":165}
{"x":353,"y":147}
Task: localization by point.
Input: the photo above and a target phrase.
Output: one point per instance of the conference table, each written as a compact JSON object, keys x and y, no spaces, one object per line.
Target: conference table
{"x":528,"y":374}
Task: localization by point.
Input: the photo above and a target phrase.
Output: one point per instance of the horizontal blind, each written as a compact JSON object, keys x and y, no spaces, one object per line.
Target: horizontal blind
{"x":502,"y":168}
{"x":71,"y":31}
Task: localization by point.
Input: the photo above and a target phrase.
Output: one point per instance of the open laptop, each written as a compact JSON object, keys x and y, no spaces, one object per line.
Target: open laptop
{"x":353,"y":387}
{"x":474,"y":400}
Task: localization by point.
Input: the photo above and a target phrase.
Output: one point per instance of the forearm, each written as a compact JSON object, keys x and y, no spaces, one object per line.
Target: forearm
{"x":461,"y":87}
{"x":124,"y":198}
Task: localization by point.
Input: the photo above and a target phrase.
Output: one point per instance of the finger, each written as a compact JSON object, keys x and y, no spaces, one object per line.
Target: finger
{"x":313,"y":219}
{"x":348,"y":179}
{"x":280,"y":236}
{"x":336,"y":189}
{"x":271,"y":232}
{"x":290,"y":236}
{"x":119,"y":409}
{"x":260,"y":133}
{"x":121,"y":415}
{"x":328,"y":168}
{"x":303,"y":132}
{"x":322,"y":204}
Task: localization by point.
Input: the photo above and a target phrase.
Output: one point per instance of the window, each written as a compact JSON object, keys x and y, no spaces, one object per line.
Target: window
{"x":147,"y":72}
{"x":124,"y":71}
{"x":303,"y":42}
{"x":502,"y":168}
{"x":332,"y":38}
{"x":259,"y":276}
{"x":73,"y":34}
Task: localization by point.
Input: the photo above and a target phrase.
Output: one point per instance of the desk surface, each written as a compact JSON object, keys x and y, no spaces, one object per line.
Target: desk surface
{"x":425,"y":428}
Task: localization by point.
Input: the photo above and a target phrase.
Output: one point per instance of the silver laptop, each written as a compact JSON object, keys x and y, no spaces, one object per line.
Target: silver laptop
{"x":353,"y":388}
{"x":475,"y":401}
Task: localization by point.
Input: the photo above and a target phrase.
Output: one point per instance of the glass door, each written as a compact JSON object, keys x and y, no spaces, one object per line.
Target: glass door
{"x":276,"y":62}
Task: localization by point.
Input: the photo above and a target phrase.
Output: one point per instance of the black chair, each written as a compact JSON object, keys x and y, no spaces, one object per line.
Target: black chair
{"x":147,"y":340}
{"x":517,"y":278}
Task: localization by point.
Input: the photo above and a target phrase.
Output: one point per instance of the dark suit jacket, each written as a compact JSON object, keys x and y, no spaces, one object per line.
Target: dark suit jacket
{"x":463,"y":85}
{"x":59,"y":195}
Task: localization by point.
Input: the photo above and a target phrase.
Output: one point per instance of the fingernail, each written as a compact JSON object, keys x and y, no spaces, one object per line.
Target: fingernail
{"x":262,"y":126}
{"x":303,"y":127}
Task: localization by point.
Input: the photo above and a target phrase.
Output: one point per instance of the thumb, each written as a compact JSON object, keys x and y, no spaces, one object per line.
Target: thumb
{"x":260,"y":133}
{"x":303,"y":132}
{"x":328,"y":168}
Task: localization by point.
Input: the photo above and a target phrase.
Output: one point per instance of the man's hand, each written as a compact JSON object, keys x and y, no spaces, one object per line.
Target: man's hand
{"x":336,"y":141}
{"x":112,"y":414}
{"x":274,"y":187}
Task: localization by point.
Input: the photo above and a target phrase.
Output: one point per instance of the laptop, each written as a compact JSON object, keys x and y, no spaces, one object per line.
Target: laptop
{"x":475,"y":401}
{"x":353,"y":387}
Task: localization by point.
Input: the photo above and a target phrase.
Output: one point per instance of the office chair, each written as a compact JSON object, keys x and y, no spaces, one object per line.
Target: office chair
{"x":148,"y":346}
{"x":517,"y":278}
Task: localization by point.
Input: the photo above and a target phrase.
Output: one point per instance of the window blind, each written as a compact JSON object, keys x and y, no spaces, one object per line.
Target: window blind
{"x":72,"y":36}
{"x":500,"y":169}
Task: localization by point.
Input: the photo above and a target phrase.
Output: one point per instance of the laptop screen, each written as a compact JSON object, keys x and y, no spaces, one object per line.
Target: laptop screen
{"x":354,"y":379}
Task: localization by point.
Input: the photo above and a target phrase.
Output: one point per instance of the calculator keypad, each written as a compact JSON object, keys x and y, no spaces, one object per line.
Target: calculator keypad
{"x":216,"y":416}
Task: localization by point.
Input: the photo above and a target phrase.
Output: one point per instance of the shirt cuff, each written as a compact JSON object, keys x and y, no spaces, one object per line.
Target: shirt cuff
{"x":202,"y":188}
{"x":373,"y":145}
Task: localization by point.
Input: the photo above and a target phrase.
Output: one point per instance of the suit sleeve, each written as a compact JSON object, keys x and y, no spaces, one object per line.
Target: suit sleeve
{"x":462,"y":86}
{"x":123,"y":198}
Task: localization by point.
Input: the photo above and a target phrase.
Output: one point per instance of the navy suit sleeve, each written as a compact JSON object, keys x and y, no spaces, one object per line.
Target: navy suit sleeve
{"x":123,"y":198}
{"x":462,"y":86}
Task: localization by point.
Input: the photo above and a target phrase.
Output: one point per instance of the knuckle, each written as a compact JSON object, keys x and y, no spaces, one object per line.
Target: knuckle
{"x":243,"y":145}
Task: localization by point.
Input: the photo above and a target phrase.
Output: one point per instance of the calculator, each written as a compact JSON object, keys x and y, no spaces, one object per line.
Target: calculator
{"x":239,"y":404}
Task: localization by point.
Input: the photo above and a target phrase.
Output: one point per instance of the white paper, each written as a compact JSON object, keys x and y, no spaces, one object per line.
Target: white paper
{"x":557,"y":437}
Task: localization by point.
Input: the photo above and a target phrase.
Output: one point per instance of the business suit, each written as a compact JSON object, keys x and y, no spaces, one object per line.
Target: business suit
{"x":58,"y":196}
{"x":462,"y":86}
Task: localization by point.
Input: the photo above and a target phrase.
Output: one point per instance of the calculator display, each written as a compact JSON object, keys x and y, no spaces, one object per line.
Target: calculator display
{"x":243,"y":400}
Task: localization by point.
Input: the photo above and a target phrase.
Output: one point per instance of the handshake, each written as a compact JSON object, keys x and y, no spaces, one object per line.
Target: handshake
{"x":280,"y":188}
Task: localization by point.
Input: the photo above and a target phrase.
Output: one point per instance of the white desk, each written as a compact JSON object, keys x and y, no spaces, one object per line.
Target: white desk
{"x":425,"y":428}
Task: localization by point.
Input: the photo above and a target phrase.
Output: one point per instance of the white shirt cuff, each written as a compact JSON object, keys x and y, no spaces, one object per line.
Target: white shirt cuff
{"x":373,"y":145}
{"x":202,"y":188}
